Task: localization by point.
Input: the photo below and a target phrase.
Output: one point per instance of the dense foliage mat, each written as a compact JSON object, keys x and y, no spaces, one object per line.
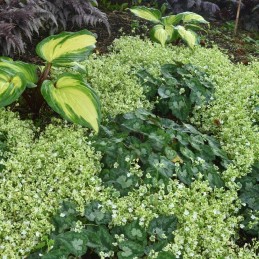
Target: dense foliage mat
{"x":102,"y":215}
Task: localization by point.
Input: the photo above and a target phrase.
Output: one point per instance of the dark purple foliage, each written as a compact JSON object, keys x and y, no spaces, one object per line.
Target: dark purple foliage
{"x":19,"y":20}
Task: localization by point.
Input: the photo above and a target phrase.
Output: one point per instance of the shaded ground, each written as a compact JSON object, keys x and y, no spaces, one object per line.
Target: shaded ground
{"x":240,"y":48}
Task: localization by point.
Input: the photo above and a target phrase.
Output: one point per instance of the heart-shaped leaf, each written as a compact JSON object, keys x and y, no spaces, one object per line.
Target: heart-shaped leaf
{"x":29,"y":71}
{"x":73,"y":99}
{"x":11,"y":87}
{"x":189,"y":37}
{"x":159,"y":34}
{"x":66,"y":47}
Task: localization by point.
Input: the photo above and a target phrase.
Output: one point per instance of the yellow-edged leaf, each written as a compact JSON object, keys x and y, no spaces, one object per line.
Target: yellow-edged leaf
{"x":73,"y":100}
{"x":150,"y":14}
{"x":66,"y":47}
{"x":11,"y":87}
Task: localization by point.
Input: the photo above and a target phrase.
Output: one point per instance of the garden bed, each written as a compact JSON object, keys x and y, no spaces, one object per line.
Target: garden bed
{"x":172,"y":173}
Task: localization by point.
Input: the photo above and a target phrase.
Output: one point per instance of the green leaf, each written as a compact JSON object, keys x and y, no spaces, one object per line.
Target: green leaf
{"x":73,"y":99}
{"x":150,"y":14}
{"x":99,"y":238}
{"x":28,"y":71}
{"x":66,"y":47}
{"x":11,"y":87}
{"x":171,"y":19}
{"x":54,"y":254}
{"x":166,"y":255}
{"x":93,"y":213}
{"x":189,"y":37}
{"x":73,"y":242}
{"x":163,"y":227}
{"x":172,"y":33}
{"x":159,"y":34}
{"x":66,"y":217}
{"x":135,"y":232}
{"x":192,"y":17}
{"x":130,"y":250}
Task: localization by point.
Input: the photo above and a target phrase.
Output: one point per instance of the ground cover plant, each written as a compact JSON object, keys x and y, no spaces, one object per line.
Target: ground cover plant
{"x":172,"y":173}
{"x":126,"y":198}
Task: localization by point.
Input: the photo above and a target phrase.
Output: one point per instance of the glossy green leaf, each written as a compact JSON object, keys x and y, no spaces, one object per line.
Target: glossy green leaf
{"x":66,"y":47}
{"x":150,"y":14}
{"x":93,"y":212}
{"x":130,"y":250}
{"x":163,"y":227}
{"x":192,"y":17}
{"x":73,"y":100}
{"x":189,"y":37}
{"x":29,"y":71}
{"x":166,"y":255}
{"x":73,"y":243}
{"x":11,"y":87}
{"x":159,"y":34}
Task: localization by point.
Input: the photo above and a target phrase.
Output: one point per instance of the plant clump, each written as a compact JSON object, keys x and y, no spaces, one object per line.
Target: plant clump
{"x":36,"y":174}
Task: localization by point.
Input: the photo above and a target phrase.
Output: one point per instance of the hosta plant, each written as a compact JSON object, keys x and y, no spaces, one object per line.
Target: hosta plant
{"x":68,"y":94}
{"x":172,"y":27}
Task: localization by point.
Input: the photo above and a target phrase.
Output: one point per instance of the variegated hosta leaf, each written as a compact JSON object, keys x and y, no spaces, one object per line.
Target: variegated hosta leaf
{"x":189,"y":37}
{"x":172,"y":19}
{"x":29,"y":71}
{"x":193,"y":17}
{"x":159,"y":34}
{"x":150,"y":14}
{"x":11,"y":87}
{"x":73,"y":100}
{"x":172,"y":33}
{"x":66,"y":47}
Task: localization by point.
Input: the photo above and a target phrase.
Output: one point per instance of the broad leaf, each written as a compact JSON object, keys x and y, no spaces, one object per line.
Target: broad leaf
{"x":73,"y":100}
{"x":159,"y":34}
{"x":172,"y":33}
{"x":189,"y":37}
{"x":29,"y":71}
{"x":72,"y":242}
{"x":130,"y":250}
{"x":166,"y":255}
{"x":163,"y":227}
{"x":172,"y":19}
{"x":66,"y":47}
{"x":150,"y":14}
{"x":11,"y":87}
{"x":193,"y":17}
{"x":94,"y":213}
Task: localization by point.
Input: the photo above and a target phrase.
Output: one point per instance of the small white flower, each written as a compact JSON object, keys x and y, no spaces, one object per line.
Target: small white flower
{"x":186,"y":213}
{"x":115,"y":165}
{"x":62,"y":215}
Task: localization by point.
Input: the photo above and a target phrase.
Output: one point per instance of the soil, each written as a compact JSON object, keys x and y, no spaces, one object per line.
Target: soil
{"x":241,"y":48}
